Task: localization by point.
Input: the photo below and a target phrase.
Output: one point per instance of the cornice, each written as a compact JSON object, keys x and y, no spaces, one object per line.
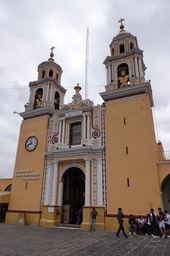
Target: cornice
{"x":75,"y":152}
{"x":47,"y":79}
{"x":123,"y":55}
{"x":129,"y":91}
{"x":37,"y":112}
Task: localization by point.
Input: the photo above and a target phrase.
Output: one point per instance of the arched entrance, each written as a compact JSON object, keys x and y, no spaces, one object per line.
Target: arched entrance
{"x":165,"y":189}
{"x":73,"y":195}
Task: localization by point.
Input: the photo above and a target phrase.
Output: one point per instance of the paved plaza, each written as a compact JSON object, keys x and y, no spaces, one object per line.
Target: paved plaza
{"x":42,"y":241}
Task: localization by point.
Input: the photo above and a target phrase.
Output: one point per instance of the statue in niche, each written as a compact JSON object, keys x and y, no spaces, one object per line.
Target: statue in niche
{"x":123,"y":77}
{"x":38,"y":101}
{"x":123,"y":81}
{"x":57,"y":101}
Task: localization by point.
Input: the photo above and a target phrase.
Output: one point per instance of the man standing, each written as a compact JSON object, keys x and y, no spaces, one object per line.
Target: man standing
{"x":93,"y":219}
{"x":120,"y":218}
{"x":154,"y":225}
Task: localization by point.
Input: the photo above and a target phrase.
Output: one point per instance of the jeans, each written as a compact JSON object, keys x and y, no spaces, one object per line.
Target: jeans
{"x":93,"y":224}
{"x":121,"y":227}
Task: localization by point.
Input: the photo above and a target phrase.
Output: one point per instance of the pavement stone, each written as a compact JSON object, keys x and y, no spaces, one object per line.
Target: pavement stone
{"x":42,"y":241}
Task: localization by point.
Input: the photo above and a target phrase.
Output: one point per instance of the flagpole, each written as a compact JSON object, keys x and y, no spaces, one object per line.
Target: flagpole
{"x":87,"y":64}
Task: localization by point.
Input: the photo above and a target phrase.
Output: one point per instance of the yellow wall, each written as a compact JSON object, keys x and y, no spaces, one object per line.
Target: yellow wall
{"x":139,"y":166}
{"x":163,"y":171}
{"x":4,"y":183}
{"x":26,"y":194}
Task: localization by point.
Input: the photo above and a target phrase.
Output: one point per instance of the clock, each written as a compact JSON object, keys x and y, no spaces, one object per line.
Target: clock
{"x":31,"y":143}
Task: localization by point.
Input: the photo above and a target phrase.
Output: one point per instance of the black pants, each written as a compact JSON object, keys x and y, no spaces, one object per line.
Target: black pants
{"x":155,"y":230}
{"x":121,"y":227}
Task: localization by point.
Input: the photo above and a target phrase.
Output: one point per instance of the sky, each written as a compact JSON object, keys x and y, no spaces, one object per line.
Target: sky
{"x":29,"y":28}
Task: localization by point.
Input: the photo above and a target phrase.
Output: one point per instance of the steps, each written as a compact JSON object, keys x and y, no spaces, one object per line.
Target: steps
{"x":68,"y":226}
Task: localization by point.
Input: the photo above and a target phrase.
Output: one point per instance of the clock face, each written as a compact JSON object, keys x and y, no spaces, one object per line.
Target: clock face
{"x":31,"y":143}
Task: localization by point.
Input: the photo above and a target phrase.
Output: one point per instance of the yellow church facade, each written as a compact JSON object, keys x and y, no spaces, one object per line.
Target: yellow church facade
{"x":78,"y":155}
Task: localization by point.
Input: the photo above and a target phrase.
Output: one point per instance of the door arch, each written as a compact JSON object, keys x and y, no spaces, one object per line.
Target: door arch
{"x":165,"y":189}
{"x":73,"y":194}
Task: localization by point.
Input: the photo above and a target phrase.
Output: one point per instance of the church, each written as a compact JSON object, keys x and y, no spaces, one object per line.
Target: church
{"x":80,"y":155}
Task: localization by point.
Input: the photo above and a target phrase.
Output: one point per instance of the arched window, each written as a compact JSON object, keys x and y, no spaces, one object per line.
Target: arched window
{"x":43,"y":73}
{"x":121,"y":48}
{"x":38,"y":98}
{"x":113,"y":52}
{"x":131,"y":45}
{"x":57,"y":101}
{"x":75,"y":133}
{"x":51,"y":73}
{"x":8,"y":188}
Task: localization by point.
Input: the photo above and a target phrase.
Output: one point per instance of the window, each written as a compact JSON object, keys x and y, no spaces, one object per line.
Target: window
{"x":56,"y":101}
{"x":43,"y":73}
{"x":112,"y":51}
{"x":131,"y":46}
{"x":122,"y":48}
{"x":8,"y":188}
{"x":51,"y":73}
{"x":75,"y":133}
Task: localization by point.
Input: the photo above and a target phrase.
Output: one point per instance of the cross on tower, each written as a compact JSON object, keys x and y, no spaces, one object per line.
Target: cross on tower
{"x":121,"y":20}
{"x":52,"y":48}
{"x":51,"y":53}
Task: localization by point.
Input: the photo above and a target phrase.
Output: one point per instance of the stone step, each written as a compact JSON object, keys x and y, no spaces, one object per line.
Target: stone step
{"x":68,"y":226}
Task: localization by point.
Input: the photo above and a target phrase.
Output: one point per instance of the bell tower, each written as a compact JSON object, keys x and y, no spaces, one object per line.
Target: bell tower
{"x":46,"y":94}
{"x":45,"y":99}
{"x":130,"y":141}
{"x":125,"y":66}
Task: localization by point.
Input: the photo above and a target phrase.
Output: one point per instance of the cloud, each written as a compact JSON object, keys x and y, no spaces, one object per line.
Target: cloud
{"x":29,"y":28}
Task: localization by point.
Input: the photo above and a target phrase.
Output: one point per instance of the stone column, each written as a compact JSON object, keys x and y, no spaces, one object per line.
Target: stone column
{"x":99,"y":183}
{"x":87,"y":183}
{"x":113,"y":73}
{"x":140,"y":67}
{"x":47,"y":185}
{"x":60,"y":194}
{"x":60,"y":130}
{"x":110,"y":74}
{"x":47,"y":92}
{"x":107,"y":75}
{"x":51,"y":92}
{"x":30,"y":96}
{"x":88,"y":126}
{"x":136,"y":67}
{"x":84,"y":126}
{"x":63,"y":131}
{"x":33,"y":95}
{"x":54,"y":185}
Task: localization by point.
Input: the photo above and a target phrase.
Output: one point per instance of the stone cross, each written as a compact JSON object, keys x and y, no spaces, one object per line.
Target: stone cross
{"x":121,"y":20}
{"x":52,"y":48}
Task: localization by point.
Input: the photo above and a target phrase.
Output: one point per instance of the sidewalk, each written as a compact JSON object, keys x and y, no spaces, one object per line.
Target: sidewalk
{"x":42,"y":241}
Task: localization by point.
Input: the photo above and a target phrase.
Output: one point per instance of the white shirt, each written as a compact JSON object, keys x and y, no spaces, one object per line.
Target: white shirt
{"x":167,"y":218}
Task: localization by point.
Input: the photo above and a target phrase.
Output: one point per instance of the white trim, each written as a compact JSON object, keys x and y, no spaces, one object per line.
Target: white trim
{"x":99,"y":182}
{"x":47,"y":185}
{"x":71,"y":166}
{"x":87,"y":183}
{"x":54,"y":185}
